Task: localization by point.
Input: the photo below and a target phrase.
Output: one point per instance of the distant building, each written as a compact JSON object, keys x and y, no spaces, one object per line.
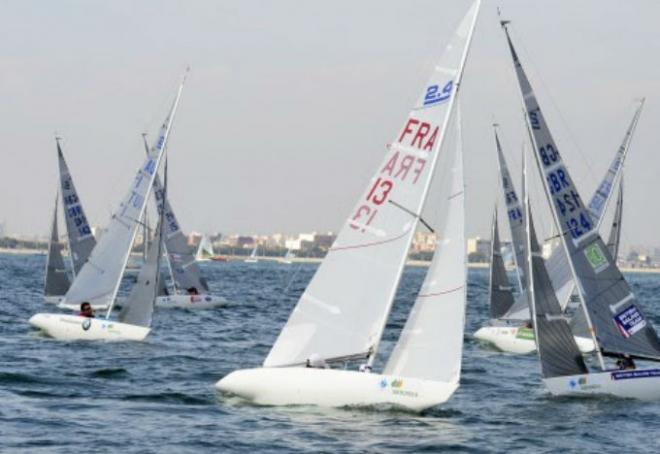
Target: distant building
{"x":478,"y":249}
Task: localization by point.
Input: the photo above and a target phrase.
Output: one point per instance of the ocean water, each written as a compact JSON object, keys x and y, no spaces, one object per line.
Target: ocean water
{"x":158,"y":396}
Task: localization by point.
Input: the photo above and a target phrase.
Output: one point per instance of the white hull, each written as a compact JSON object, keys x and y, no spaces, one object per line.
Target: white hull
{"x":53,"y":299}
{"x":190,"y":302}
{"x":333,"y":388}
{"x":641,"y":384}
{"x":251,"y":260}
{"x":286,"y":262}
{"x":515,"y":339}
{"x":74,"y":327}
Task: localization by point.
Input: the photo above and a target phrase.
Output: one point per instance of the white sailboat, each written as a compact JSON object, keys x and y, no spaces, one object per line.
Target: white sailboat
{"x":288,"y":257}
{"x":99,"y":279}
{"x":253,"y":255}
{"x":204,"y":249}
{"x":616,"y":321}
{"x":341,"y":316}
{"x":191,"y":290}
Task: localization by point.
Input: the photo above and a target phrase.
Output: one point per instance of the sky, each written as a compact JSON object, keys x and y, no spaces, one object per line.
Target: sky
{"x":289,"y":105}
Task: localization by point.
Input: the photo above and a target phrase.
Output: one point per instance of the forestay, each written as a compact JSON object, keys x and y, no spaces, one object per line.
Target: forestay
{"x":619,"y":324}
{"x":81,"y":239}
{"x":431,"y":343}
{"x":57,"y":282}
{"x":500,"y":290}
{"x":343,"y":311}
{"x":185,"y":270}
{"x":557,"y":350}
{"x":98,"y":280}
{"x":557,"y":264}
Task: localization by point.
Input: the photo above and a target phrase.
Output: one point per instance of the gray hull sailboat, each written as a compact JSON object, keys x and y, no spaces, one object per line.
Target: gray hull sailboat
{"x":619,"y":328}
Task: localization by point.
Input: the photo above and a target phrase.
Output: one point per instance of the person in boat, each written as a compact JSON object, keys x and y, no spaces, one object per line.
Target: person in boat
{"x":625,"y":363}
{"x":192,"y":291}
{"x":86,"y":310}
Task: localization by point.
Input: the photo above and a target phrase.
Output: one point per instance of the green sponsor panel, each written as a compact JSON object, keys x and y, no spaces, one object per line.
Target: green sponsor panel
{"x":525,"y":333}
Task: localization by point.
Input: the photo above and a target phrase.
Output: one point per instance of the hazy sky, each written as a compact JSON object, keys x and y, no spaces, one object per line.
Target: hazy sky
{"x":290,"y":104}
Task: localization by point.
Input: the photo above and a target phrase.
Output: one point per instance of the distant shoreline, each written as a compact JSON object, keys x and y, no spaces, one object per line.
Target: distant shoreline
{"x":234,"y":258}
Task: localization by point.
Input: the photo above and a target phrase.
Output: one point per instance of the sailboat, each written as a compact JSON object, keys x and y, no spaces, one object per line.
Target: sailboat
{"x":57,"y":281}
{"x":253,"y":255}
{"x":510,"y":333}
{"x":98,"y":281}
{"x":191,"y":291}
{"x":288,"y":257}
{"x":80,"y":238}
{"x":204,"y":250}
{"x":340,"y":318}
{"x":616,"y":321}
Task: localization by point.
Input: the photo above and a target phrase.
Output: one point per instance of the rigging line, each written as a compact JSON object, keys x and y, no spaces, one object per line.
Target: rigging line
{"x":413,"y":214}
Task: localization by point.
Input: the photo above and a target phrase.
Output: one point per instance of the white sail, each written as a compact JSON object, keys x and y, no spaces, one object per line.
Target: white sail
{"x":98,"y":280}
{"x":205,"y":248}
{"x":343,"y":311}
{"x":431,"y":343}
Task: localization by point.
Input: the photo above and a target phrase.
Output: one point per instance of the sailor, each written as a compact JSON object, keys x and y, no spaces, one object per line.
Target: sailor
{"x":626,"y":363}
{"x":193,"y":291}
{"x":365,"y":368}
{"x":86,"y":310}
{"x":315,"y":361}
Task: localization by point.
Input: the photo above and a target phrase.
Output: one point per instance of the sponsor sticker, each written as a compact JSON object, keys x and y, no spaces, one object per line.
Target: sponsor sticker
{"x":625,"y":375}
{"x":596,"y":257}
{"x":629,"y":321}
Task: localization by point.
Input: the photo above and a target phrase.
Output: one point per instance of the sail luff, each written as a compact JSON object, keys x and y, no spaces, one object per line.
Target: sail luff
{"x":618,"y":324}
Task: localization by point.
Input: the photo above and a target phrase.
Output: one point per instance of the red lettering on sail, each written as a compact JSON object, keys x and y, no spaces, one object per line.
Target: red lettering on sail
{"x":422,"y":131}
{"x":431,"y":141}
{"x":389,"y":167}
{"x":418,"y":169}
{"x":404,"y":167}
{"x":408,"y":128}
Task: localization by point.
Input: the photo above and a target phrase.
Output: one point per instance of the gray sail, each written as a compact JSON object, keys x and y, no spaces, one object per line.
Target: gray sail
{"x":501,"y":296}
{"x":81,"y":239}
{"x":614,"y":239}
{"x":557,"y":264}
{"x":139,"y":306}
{"x":613,"y":312}
{"x":57,"y":282}
{"x":558,"y":353}
{"x":185,"y":270}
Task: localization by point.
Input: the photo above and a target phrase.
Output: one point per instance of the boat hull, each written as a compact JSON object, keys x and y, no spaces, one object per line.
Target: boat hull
{"x":643,"y":384}
{"x":251,"y":261}
{"x":75,"y":327}
{"x":520,"y":340}
{"x":333,"y":388}
{"x":195,"y":302}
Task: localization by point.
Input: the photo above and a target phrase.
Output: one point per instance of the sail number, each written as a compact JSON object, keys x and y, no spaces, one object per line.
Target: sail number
{"x":74,"y":212}
{"x":568,"y":203}
{"x":434,"y":95}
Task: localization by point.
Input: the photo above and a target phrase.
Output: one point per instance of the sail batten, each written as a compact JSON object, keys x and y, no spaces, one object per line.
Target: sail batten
{"x":601,"y":286}
{"x":345,"y":307}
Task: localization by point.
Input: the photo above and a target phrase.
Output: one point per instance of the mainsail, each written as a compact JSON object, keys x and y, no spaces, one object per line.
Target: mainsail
{"x":81,"y":239}
{"x":205,"y":249}
{"x":343,"y":311}
{"x":99,"y":279}
{"x":139,"y":306}
{"x":557,"y":264}
{"x":57,"y":281}
{"x":558,"y":352}
{"x":185,"y":270}
{"x":613,"y":312}
{"x":431,"y":343}
{"x":500,"y":290}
